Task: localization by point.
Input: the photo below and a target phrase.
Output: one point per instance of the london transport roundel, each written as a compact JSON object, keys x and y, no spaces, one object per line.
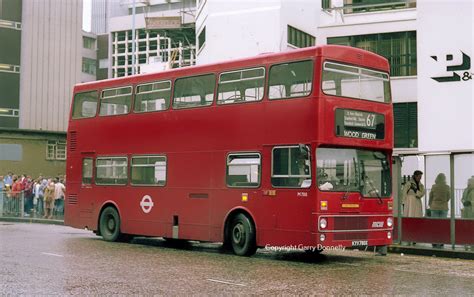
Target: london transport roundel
{"x":146,"y":204}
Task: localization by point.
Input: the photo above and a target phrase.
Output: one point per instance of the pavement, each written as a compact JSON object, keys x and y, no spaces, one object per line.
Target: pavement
{"x":32,"y":220}
{"x":423,"y":249}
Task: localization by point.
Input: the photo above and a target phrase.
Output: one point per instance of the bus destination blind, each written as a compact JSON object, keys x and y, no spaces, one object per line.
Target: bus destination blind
{"x":360,"y":124}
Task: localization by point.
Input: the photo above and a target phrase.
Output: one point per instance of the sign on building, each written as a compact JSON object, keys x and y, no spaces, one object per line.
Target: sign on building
{"x":171,"y":22}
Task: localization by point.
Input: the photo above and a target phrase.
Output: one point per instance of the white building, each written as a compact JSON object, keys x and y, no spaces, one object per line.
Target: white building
{"x":428,"y":44}
{"x":164,"y":34}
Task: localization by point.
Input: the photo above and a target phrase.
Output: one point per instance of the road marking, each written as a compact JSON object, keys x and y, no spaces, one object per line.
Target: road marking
{"x":349,"y":264}
{"x":55,"y":255}
{"x":224,"y":282}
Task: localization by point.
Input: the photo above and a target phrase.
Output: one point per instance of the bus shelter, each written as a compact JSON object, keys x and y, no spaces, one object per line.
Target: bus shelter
{"x":456,"y":230}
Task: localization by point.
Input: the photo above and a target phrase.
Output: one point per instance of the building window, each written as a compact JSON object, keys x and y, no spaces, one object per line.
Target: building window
{"x":399,"y":48}
{"x":290,"y":80}
{"x":406,"y":125}
{"x":88,"y":66}
{"x":243,"y":170}
{"x":241,"y":86}
{"x":357,"y":6}
{"x":202,"y":38}
{"x":11,"y":152}
{"x":88,"y":42}
{"x":9,"y":112}
{"x":148,"y":171}
{"x":177,"y":49}
{"x":56,"y":150}
{"x":325,"y":4}
{"x":9,"y":68}
{"x":111,"y":171}
{"x":291,"y":167}
{"x":299,"y":38}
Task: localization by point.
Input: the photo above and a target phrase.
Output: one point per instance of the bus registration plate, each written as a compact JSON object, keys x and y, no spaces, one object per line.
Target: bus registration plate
{"x":360,"y":243}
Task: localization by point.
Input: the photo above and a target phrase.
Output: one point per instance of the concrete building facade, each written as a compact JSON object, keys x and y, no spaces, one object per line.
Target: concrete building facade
{"x":10,"y":60}
{"x":42,"y":48}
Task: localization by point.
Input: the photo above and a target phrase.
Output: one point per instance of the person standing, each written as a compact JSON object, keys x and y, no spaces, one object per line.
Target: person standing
{"x":468,"y":200}
{"x":48,"y":201}
{"x":28,"y":195}
{"x":8,"y":179}
{"x":438,"y":200}
{"x":439,"y":196}
{"x":16,"y":195}
{"x":59,"y":191}
{"x":412,"y":193}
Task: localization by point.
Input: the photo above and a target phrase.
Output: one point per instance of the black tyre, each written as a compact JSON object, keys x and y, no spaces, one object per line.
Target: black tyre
{"x":109,"y":224}
{"x":242,"y":236}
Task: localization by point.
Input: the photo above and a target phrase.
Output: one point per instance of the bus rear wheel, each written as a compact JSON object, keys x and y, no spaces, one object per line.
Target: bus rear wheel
{"x":109,"y":224}
{"x":242,"y":236}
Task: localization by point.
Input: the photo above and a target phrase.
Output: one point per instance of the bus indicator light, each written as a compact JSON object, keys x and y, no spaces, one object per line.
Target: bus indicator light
{"x":324,"y":205}
{"x":390,"y":205}
{"x":245,"y":197}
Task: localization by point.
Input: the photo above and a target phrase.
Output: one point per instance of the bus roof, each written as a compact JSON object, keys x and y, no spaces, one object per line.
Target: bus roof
{"x":339,"y":53}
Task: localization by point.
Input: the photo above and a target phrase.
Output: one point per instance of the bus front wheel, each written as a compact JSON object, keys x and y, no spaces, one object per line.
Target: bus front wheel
{"x":109,"y":224}
{"x":242,"y":236}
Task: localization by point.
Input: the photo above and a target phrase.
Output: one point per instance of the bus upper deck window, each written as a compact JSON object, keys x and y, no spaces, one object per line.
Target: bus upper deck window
{"x":153,"y":96}
{"x":115,"y":101}
{"x":355,"y":82}
{"x":85,"y":105}
{"x":196,"y":91}
{"x":290,"y":80}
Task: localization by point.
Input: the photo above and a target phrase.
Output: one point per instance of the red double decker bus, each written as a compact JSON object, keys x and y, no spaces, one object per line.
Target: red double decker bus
{"x":287,"y":149}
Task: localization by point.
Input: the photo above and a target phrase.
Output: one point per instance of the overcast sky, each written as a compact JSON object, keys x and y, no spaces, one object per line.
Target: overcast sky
{"x":86,"y":15}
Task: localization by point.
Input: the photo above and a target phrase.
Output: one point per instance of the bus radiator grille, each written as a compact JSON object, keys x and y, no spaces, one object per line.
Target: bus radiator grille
{"x":351,"y":223}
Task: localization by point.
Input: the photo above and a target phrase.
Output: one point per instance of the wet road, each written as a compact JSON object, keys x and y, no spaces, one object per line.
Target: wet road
{"x":56,"y":260}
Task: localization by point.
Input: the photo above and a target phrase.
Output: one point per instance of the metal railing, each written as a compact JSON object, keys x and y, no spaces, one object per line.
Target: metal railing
{"x":16,"y":204}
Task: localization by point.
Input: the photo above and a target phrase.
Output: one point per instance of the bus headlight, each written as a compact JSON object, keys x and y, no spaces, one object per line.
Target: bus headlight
{"x":322,"y":237}
{"x":390,"y":222}
{"x":389,"y":235}
{"x":323,"y":223}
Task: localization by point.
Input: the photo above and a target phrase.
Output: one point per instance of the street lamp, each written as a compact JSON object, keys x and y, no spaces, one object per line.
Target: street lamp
{"x":133,"y":38}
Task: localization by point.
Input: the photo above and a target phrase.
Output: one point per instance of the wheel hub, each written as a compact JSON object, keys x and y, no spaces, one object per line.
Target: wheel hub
{"x":111,"y":224}
{"x":238,"y":234}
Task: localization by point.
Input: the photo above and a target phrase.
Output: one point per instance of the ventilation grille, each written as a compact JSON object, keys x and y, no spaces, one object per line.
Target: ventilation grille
{"x":72,"y":199}
{"x":351,"y":223}
{"x":72,"y":141}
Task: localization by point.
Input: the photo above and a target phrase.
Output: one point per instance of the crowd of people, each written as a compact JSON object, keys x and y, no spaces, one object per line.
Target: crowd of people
{"x":43,"y":196}
{"x":439,"y":196}
{"x":438,"y":199}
